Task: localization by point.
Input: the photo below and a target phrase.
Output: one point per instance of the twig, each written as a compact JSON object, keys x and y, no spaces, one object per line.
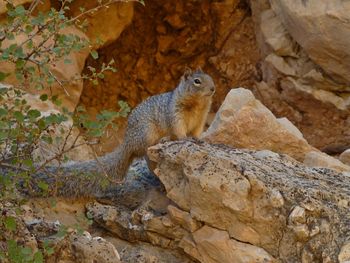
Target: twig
{"x":57,"y":156}
{"x":14,"y":167}
{"x":59,"y":82}
{"x":92,"y":10}
{"x":104,"y":171}
{"x":33,"y":5}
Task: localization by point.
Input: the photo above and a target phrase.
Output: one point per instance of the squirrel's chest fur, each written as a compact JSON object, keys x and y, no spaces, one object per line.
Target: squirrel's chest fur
{"x":193,"y":110}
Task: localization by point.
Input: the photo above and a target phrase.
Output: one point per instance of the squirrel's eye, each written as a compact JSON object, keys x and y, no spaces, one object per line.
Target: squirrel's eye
{"x":197,"y":81}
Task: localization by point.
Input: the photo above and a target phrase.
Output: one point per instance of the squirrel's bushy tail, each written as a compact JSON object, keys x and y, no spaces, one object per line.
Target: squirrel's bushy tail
{"x":89,"y":178}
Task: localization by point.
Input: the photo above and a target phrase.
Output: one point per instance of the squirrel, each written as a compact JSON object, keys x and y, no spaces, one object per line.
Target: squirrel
{"x":176,"y":114}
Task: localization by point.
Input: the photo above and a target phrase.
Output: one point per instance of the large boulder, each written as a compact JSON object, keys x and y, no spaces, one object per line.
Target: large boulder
{"x":230,"y":205}
{"x":244,"y":122}
{"x":311,"y":24}
{"x":345,"y":157}
{"x":304,"y":67}
{"x":255,"y":206}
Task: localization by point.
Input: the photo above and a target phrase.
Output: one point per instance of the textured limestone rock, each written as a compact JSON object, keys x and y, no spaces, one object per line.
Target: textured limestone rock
{"x":244,"y":122}
{"x":142,"y":252}
{"x":344,"y":255}
{"x":105,"y":24}
{"x":276,"y":36}
{"x":304,"y":67}
{"x":117,"y":220}
{"x":33,"y":229}
{"x":345,"y":157}
{"x":88,"y":249}
{"x":324,"y":46}
{"x":319,"y":159}
{"x":283,"y":209}
{"x":183,"y":219}
{"x":216,"y":246}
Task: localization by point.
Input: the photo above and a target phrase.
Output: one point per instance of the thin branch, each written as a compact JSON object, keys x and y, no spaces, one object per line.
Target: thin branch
{"x":14,"y":167}
{"x":92,"y":10}
{"x":57,"y":156}
{"x":33,"y":5}
{"x":59,"y":82}
{"x":104,"y":173}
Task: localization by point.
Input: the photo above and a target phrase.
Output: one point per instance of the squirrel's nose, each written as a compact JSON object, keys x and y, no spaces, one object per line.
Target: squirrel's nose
{"x":212,"y":89}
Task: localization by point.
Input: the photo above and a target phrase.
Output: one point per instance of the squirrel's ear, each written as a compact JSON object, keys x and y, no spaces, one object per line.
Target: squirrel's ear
{"x":187,"y":73}
{"x":199,"y":70}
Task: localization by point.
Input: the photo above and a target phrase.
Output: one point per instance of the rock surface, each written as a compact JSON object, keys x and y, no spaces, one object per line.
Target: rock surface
{"x":105,"y":24}
{"x":345,"y":157}
{"x":244,"y":122}
{"x":32,"y":230}
{"x":305,"y":65}
{"x":282,"y":209}
{"x":324,"y":46}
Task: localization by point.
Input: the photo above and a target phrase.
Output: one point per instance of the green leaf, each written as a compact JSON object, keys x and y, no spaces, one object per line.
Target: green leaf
{"x":20,"y":10}
{"x":91,"y":124}
{"x":3,"y":135}
{"x":13,"y":251}
{"x":10,"y":36}
{"x":38,"y":257}
{"x":5,"y":54}
{"x":3,"y":75}
{"x":43,"y":186}
{"x":95,"y":133}
{"x":28,"y":162}
{"x":20,"y":63}
{"x":42,"y":124}
{"x":19,"y":53}
{"x":44,"y":97}
{"x":80,"y":108}
{"x":56,"y":100}
{"x":10,"y":223}
{"x":94,"y":54}
{"x":3,"y":112}
{"x":19,"y":116}
{"x":26,"y":251}
{"x":47,"y":139}
{"x":9,"y":6}
{"x":34,"y":114}
{"x":28,"y":29}
{"x":12,"y":48}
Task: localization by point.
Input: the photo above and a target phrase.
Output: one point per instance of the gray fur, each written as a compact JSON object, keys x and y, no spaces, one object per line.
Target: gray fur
{"x":176,"y":114}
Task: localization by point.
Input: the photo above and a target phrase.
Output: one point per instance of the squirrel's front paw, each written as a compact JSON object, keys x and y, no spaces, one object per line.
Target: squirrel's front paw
{"x":165,"y":139}
{"x":192,"y":139}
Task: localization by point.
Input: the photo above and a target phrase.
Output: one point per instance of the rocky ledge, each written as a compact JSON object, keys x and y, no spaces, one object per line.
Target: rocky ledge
{"x":209,"y":201}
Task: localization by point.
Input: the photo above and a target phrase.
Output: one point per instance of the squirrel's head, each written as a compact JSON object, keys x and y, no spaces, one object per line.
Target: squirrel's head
{"x":198,"y":83}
